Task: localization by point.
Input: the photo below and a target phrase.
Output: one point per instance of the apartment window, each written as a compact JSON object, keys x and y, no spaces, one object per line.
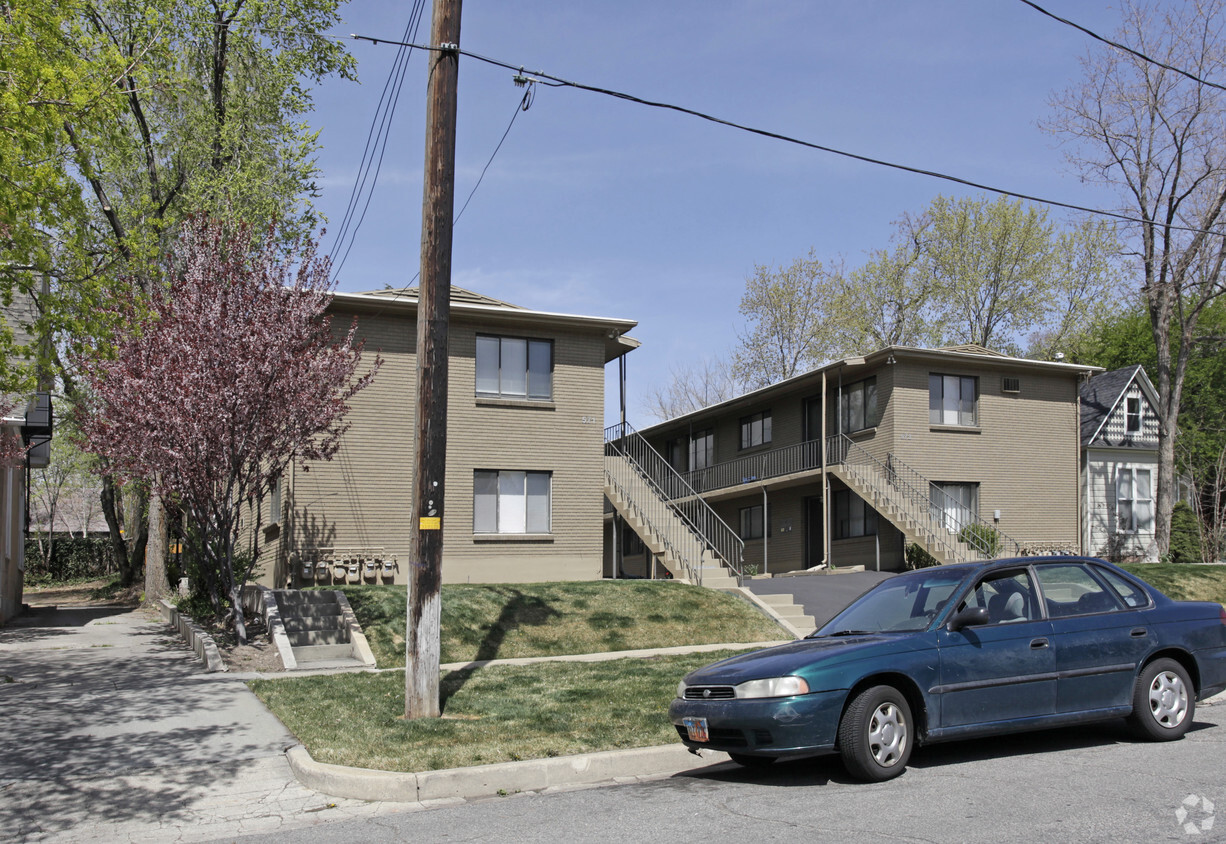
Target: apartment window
{"x":702,"y":449}
{"x":274,"y":501}
{"x":515,"y":368}
{"x":511,"y":501}
{"x":860,"y":405}
{"x":753,"y":524}
{"x":1133,"y":415}
{"x":756,"y":430}
{"x":1134,"y":501}
{"x":952,"y":400}
{"x":955,"y":505}
{"x":852,"y":517}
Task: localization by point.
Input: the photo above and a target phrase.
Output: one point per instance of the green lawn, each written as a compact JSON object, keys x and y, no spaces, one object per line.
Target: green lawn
{"x":495,"y":714}
{"x":1184,"y":582}
{"x":501,"y":621}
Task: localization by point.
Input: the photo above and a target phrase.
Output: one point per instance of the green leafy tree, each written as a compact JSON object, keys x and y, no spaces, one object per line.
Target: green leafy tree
{"x":176,"y":106}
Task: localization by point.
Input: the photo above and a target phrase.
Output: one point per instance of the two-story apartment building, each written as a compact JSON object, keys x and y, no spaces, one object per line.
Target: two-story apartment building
{"x":525,"y":411}
{"x":851,"y":463}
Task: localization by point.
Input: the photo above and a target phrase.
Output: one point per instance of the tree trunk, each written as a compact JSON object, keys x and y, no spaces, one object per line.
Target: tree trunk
{"x":157,"y":585}
{"x":110,"y":511}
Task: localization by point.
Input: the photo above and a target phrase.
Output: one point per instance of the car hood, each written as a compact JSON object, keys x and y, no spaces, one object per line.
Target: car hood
{"x":805,"y":657}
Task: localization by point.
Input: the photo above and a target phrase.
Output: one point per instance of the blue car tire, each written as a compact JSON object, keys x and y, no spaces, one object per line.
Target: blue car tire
{"x":876,"y":734}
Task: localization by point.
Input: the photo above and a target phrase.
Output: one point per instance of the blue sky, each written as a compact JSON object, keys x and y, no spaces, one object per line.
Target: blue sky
{"x":599,"y":206}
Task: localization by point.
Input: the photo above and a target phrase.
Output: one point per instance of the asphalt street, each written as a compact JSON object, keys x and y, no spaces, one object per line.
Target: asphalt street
{"x":1090,"y":784}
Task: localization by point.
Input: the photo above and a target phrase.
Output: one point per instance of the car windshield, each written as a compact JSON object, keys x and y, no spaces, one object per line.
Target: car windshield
{"x":902,"y":604}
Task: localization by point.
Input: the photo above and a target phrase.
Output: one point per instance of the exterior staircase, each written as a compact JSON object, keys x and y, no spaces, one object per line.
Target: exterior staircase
{"x":313,"y":629}
{"x":904,"y":497}
{"x":680,"y":529}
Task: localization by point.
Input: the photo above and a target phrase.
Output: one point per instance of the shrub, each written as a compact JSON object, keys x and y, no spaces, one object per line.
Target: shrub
{"x":72,"y":558}
{"x":983,"y":538}
{"x":1185,"y":535}
{"x":918,"y":558}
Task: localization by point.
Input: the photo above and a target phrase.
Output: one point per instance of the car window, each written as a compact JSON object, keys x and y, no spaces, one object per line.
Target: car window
{"x":1132,"y":594}
{"x":901,"y":604}
{"x":1007,"y":596}
{"x":1070,"y":589}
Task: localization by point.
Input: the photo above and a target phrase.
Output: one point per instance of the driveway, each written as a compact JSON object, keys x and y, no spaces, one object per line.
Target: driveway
{"x":111,"y":731}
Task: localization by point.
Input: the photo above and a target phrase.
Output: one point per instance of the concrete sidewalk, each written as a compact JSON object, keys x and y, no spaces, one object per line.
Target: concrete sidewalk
{"x":113,"y":732}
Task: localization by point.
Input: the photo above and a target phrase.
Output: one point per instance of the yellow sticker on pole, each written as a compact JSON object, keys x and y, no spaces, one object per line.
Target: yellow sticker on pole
{"x":430,"y":523}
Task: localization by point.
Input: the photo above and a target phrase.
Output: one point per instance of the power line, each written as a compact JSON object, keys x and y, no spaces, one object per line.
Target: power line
{"x":557,"y":81}
{"x":376,"y":139}
{"x":1122,"y":47}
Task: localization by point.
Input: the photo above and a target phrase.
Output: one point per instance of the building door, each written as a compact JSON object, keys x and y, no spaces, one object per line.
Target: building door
{"x":814,"y":522}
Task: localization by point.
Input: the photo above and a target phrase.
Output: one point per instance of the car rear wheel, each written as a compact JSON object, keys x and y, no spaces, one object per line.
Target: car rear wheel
{"x":748,"y":761}
{"x":875,"y":734}
{"x":1163,"y":701}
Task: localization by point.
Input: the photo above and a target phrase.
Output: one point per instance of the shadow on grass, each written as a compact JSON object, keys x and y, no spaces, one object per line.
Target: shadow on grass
{"x":520,"y":611}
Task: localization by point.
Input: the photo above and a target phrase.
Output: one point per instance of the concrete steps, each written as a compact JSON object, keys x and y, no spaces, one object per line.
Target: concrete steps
{"x":318,"y":628}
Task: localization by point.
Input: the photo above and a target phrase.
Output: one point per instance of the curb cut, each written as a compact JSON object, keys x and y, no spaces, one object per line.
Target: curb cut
{"x":499,"y":779}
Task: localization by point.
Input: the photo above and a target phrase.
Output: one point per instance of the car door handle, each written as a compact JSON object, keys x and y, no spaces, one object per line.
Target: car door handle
{"x":1138,"y":632}
{"x":1035,"y":644}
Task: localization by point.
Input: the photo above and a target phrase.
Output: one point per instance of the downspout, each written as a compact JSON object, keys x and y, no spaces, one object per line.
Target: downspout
{"x":766,"y":532}
{"x":825,"y":486}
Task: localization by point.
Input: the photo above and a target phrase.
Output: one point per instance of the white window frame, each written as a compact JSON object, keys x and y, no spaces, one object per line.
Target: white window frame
{"x":954,"y":503}
{"x":514,"y":368}
{"x":504,"y":499}
{"x":1134,"y":512}
{"x":1132,"y":415}
{"x":953,"y":400}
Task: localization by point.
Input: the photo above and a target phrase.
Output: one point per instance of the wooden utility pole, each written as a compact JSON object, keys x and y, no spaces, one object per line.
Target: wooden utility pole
{"x":421,"y":676}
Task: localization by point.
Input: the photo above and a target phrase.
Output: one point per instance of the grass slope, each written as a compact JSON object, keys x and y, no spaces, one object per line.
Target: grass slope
{"x":501,"y":621}
{"x":496,"y":714}
{"x":1184,"y":582}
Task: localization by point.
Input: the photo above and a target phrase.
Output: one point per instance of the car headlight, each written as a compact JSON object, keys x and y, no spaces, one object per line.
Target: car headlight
{"x":681,"y":690}
{"x":772,"y":687}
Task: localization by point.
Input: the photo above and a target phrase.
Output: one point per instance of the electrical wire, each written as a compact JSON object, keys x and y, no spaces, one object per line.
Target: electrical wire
{"x":376,"y":139}
{"x":1122,"y":47}
{"x":557,"y":81}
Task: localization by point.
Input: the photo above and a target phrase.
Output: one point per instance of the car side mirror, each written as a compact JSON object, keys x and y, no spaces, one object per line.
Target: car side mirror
{"x":968,"y":617}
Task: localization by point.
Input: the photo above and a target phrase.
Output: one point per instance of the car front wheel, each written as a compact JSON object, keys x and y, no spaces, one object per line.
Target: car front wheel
{"x":875,"y":734}
{"x":1163,"y":701}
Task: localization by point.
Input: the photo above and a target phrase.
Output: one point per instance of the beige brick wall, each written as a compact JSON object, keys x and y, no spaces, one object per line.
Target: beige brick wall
{"x":362,"y":497}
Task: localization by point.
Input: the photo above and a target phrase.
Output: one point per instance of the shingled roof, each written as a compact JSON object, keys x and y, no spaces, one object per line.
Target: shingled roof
{"x":1100,"y":395}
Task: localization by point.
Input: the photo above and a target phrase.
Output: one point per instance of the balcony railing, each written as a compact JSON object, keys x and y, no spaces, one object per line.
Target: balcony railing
{"x":775,"y":463}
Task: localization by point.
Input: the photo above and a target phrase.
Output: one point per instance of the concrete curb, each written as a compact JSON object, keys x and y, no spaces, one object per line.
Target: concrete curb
{"x":502,"y":778}
{"x":198,"y":640}
{"x":261,"y":599}
{"x":361,"y":648}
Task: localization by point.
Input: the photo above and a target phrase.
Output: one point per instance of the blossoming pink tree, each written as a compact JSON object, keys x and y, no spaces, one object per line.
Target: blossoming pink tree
{"x":219,"y":384}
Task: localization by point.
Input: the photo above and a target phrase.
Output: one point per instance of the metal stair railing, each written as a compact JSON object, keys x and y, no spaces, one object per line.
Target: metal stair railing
{"x":675,"y":512}
{"x":917,"y":499}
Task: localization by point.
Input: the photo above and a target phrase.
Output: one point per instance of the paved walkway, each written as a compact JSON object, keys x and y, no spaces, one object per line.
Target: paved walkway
{"x":111,"y":731}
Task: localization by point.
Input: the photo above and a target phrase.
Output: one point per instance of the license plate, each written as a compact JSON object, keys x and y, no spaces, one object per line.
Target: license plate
{"x":697,"y":729}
